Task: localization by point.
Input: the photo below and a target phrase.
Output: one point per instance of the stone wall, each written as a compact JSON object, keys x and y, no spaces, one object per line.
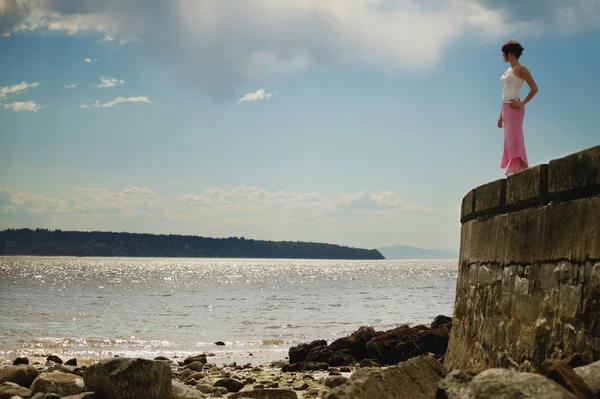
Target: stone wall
{"x":529,"y":270}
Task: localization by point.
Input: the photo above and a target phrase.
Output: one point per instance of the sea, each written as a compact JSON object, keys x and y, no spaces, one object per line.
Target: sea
{"x":91,"y":308}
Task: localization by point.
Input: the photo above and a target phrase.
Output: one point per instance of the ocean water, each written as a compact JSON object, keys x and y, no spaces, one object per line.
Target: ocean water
{"x":92,"y":308}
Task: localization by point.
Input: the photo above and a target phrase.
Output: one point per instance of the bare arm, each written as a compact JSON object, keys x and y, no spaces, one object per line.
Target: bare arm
{"x":526,"y":76}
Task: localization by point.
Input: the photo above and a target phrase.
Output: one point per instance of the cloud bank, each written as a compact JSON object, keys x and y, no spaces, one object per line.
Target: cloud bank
{"x":221,"y":44}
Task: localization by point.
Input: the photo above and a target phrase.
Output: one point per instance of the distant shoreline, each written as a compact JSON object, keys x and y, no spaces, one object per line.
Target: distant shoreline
{"x":43,"y":242}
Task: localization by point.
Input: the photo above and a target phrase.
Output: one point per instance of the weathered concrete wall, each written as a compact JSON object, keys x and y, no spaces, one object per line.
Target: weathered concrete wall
{"x":529,"y":269}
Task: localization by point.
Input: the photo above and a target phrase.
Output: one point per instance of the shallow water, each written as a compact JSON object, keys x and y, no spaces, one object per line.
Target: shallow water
{"x":101,"y":307}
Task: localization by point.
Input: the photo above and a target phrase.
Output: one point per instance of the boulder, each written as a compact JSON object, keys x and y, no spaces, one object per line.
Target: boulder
{"x":415,"y":378}
{"x":404,"y":342}
{"x":195,"y":366}
{"x":20,"y":360}
{"x":71,"y":362}
{"x":358,"y":341}
{"x":129,"y":378}
{"x":341,"y":359}
{"x":22,"y":375}
{"x":300,"y":386}
{"x":319,"y":354}
{"x":591,"y":376}
{"x":440,"y":321}
{"x":368,"y":363}
{"x":182,"y":391}
{"x":265,"y":394}
{"x":560,"y":372}
{"x":300,"y":352}
{"x":55,"y":359}
{"x":10,"y":389}
{"x":61,"y":384}
{"x":335,"y":381}
{"x":231,"y":384}
{"x":500,"y":383}
{"x":197,"y":358}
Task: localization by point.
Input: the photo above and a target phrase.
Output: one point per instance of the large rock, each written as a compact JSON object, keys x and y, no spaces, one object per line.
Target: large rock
{"x":500,"y":383}
{"x":22,"y":375}
{"x":231,"y":384}
{"x":358,"y":341}
{"x":198,"y":358}
{"x":10,"y":389}
{"x":415,"y":378}
{"x":591,"y":376}
{"x":402,"y":343}
{"x":182,"y":391}
{"x":62,"y":384}
{"x":300,"y":352}
{"x":560,"y":372}
{"x":128,"y":378}
{"x":441,"y":320}
{"x":276,"y":393}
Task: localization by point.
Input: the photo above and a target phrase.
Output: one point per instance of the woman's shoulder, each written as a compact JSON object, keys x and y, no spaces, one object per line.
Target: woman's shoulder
{"x":520,"y":70}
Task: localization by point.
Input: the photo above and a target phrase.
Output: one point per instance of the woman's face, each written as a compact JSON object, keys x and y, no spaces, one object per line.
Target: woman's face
{"x":504,"y":57}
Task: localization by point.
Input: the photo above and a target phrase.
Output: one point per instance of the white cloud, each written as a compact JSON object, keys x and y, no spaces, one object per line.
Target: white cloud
{"x":23,"y":106}
{"x":260,"y":94}
{"x":16,"y":89}
{"x":106,"y":39}
{"x":222,"y":44}
{"x":72,"y":86}
{"x":109,"y":82}
{"x":83,"y":106}
{"x":120,"y":100}
{"x":245,"y":210}
{"x":89,"y":60}
{"x":137,"y":191}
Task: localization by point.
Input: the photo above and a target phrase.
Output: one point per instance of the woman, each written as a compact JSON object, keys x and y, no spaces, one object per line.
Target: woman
{"x":512,"y":114}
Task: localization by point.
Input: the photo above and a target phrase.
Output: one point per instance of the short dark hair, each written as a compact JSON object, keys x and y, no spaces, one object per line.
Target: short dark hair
{"x":512,"y":47}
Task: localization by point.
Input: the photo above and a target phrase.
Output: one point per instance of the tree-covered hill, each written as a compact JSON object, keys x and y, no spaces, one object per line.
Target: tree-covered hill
{"x":44,"y":242}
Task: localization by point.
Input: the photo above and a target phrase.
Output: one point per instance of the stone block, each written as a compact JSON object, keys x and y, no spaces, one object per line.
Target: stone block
{"x":527,"y":188}
{"x":575,"y":175}
{"x":490,"y":197}
{"x":467,"y":209}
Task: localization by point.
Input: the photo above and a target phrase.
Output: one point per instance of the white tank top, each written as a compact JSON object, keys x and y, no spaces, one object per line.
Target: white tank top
{"x":511,"y":86}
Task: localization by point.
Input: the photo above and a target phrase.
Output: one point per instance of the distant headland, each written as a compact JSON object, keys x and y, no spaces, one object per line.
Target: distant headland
{"x":43,"y":242}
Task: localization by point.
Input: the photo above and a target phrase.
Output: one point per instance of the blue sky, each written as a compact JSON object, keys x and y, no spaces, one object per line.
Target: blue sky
{"x":353,"y":122}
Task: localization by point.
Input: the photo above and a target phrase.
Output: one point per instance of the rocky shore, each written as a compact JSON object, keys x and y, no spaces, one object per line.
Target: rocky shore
{"x":405,"y":362}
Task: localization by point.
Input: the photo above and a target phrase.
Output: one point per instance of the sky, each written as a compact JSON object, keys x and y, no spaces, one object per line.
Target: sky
{"x":353,"y":122}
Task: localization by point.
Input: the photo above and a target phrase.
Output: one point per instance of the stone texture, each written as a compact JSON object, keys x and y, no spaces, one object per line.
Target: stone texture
{"x":467,"y":209}
{"x":265,"y":394}
{"x":490,"y":197}
{"x":231,"y":384}
{"x":528,"y":285}
{"x":415,"y":378}
{"x":501,"y":383}
{"x":575,"y":175}
{"x":561,"y":373}
{"x":62,"y":384}
{"x":127,"y":378}
{"x":527,"y":188}
{"x":22,"y":375}
{"x":182,"y":391}
{"x":10,"y":389}
{"x":591,"y":376}
{"x":335,"y":381}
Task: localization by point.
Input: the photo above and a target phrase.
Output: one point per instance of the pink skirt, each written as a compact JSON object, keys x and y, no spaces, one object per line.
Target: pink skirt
{"x":514,"y":142}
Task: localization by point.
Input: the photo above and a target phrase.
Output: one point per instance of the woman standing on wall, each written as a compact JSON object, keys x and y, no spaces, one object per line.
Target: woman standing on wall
{"x":514,"y":158}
